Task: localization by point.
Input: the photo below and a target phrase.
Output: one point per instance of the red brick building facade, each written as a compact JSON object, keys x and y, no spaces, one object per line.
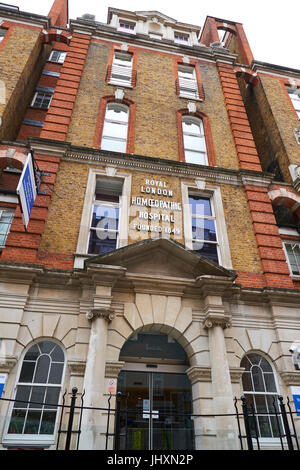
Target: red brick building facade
{"x":168,"y":202}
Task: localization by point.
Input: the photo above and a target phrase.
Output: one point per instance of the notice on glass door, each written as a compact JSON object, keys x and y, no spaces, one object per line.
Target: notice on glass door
{"x":146,"y":410}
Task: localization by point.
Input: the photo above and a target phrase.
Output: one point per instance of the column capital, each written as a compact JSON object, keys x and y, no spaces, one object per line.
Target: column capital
{"x":106,"y":313}
{"x":222,"y":320}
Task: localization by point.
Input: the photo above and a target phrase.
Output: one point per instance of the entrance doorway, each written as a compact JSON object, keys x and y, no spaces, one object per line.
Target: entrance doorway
{"x":156,"y":404}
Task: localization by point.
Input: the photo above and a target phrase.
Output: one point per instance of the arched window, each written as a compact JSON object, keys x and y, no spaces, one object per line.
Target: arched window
{"x":194,"y":140}
{"x":39,"y":382}
{"x":115,"y":129}
{"x":260,"y":390}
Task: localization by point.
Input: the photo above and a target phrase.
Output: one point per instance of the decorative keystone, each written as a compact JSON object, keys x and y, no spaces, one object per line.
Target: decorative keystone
{"x":119,"y":94}
{"x":191,"y":107}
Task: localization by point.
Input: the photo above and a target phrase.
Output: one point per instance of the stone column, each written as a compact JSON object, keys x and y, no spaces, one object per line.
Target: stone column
{"x":226,"y":427}
{"x":94,"y":380}
{"x":200,"y":378}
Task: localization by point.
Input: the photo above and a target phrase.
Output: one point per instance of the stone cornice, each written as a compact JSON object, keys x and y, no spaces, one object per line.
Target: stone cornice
{"x":77,"y":368}
{"x":199,"y":374}
{"x":279,"y":70}
{"x":25,"y":17}
{"x":290,"y":377}
{"x":7,"y":364}
{"x":109,"y":33}
{"x":67,"y":152}
{"x":113,"y":368}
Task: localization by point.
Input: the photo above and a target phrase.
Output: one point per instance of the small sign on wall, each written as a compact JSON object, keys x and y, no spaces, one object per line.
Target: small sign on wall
{"x":296,"y":398}
{"x":3,"y":378}
{"x":112,"y":386}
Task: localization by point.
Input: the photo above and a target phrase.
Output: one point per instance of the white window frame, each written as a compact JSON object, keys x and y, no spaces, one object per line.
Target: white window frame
{"x":40,"y":92}
{"x":180,"y":41}
{"x":294,"y":95}
{"x":124,"y":207}
{"x":188,"y":86}
{"x":121,"y":73}
{"x":296,"y":243}
{"x":267,"y":441}
{"x":11,"y":211}
{"x":32,"y":440}
{"x":61,"y":56}
{"x":113,"y":104}
{"x":126,"y":30}
{"x":2,"y":33}
{"x":199,"y":188}
{"x":201,"y":137}
{"x":110,"y":205}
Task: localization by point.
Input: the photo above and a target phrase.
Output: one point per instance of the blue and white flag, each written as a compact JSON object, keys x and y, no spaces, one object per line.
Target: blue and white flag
{"x":26,"y":190}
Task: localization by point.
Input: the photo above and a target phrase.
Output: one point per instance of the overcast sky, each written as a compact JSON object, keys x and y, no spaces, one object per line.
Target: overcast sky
{"x":272,"y":27}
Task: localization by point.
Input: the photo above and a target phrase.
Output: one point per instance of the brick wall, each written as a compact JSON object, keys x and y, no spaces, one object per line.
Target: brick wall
{"x":21,"y":60}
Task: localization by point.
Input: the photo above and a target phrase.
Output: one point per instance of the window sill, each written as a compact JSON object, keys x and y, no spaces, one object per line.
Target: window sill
{"x":16,"y":441}
{"x":295,"y":277}
{"x":37,"y":107}
{"x":191,"y":99}
{"x":120,"y":84}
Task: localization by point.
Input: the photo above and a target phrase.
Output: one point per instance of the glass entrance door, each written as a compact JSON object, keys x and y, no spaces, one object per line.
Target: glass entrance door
{"x":156,"y":411}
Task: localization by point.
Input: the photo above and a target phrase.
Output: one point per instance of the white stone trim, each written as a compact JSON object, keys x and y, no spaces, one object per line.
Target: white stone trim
{"x":214,"y":193}
{"x":82,"y":243}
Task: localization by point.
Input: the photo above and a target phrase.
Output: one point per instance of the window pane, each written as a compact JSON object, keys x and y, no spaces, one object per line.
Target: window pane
{"x":38,"y":397}
{"x":194,"y":143}
{"x":57,"y":355}
{"x":190,"y":127}
{"x":99,"y":246}
{"x":27,"y":371}
{"x":32,"y":353}
{"x":270,"y":382}
{"x":23,"y":393}
{"x":41,"y":373}
{"x":52,"y":397}
{"x":260,"y":402}
{"x":247,"y":383}
{"x":264,"y":364}
{"x":207,"y":250}
{"x":199,"y":206}
{"x":46,"y":346}
{"x":105,"y":217}
{"x":48,"y":422}
{"x":258,"y":379}
{"x":55,"y":373}
{"x":203,"y":229}
{"x":254,"y":358}
{"x":113,"y":145}
{"x":17,"y":422}
{"x":116,"y":113}
{"x":112,"y":129}
{"x":245,"y":363}
{"x":195,"y":157}
{"x":32,"y":422}
{"x":264,"y":426}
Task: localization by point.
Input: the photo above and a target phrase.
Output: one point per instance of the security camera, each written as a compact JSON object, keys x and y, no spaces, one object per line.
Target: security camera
{"x":295,"y":351}
{"x":293,"y":348}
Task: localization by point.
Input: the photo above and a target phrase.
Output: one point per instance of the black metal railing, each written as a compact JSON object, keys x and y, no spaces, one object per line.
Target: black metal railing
{"x":248,"y":428}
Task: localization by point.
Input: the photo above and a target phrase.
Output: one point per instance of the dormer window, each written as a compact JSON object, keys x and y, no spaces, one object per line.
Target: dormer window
{"x":126,"y":27}
{"x":181,"y":38}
